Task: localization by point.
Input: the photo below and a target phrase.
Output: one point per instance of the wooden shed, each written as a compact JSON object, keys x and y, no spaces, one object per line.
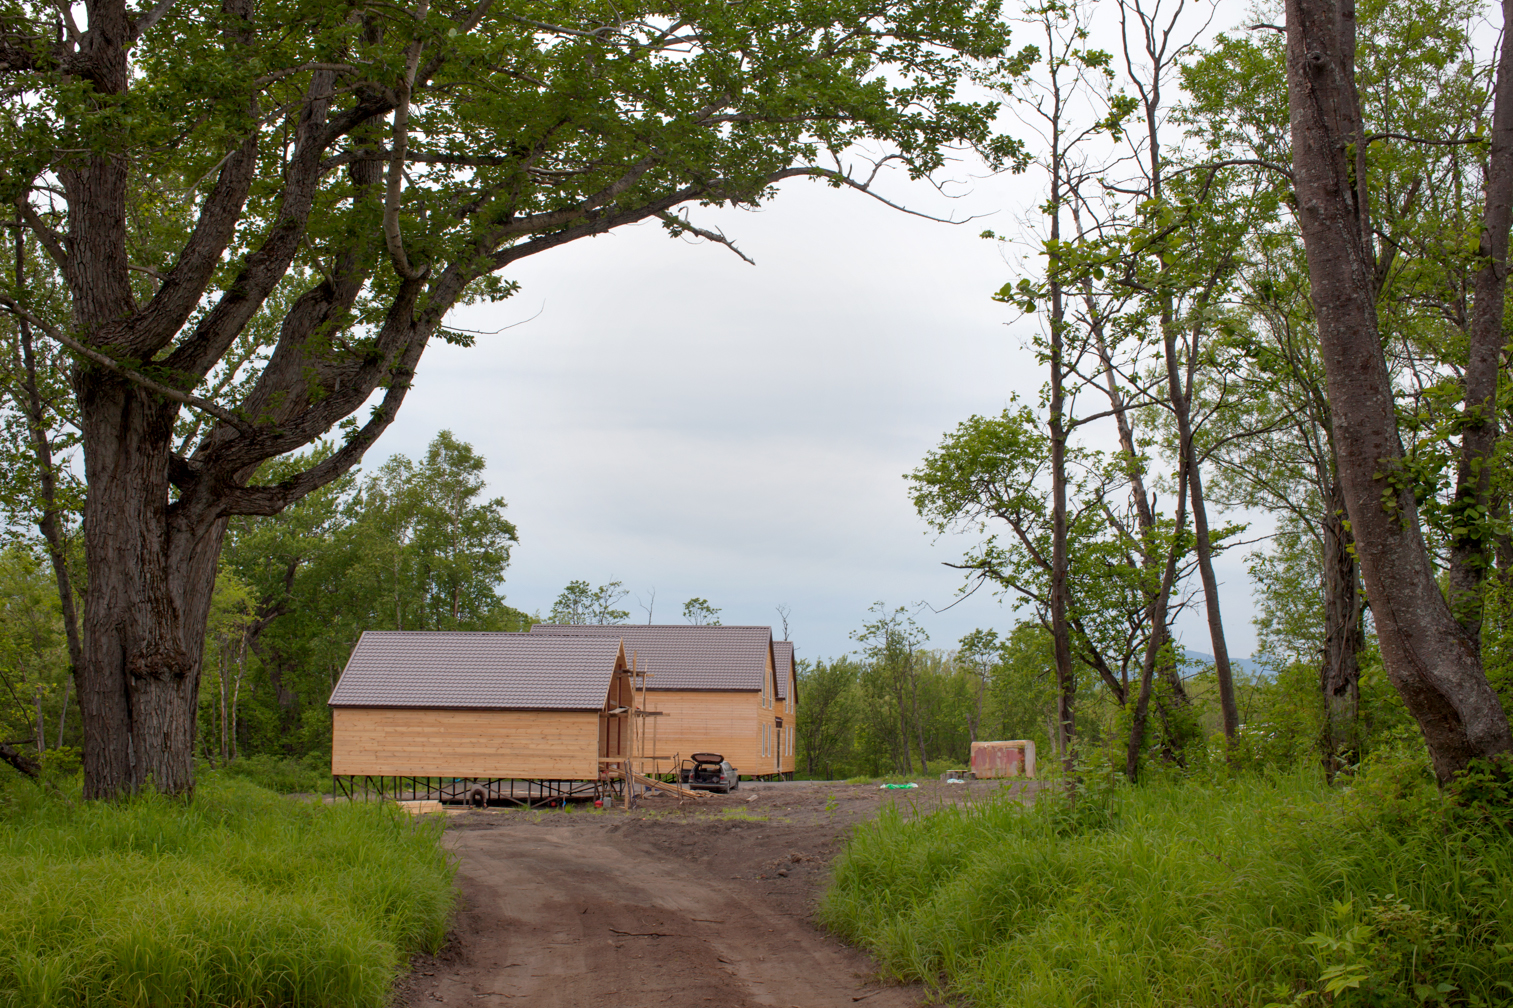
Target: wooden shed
{"x":480,"y":705}
{"x":725,"y":689}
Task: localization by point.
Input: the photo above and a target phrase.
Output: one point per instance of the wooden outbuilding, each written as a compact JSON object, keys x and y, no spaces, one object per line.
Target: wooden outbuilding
{"x":418,"y":704}
{"x":724,"y":689}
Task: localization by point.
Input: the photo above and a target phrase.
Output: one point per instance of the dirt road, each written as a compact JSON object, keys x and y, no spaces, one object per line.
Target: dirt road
{"x":705,"y":905}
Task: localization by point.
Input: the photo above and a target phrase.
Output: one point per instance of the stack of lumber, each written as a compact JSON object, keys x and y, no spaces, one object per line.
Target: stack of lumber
{"x":420,"y":807}
{"x":652,"y":782}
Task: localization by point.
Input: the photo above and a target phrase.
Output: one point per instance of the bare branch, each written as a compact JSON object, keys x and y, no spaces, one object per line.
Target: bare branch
{"x":679,"y":224}
{"x":866,"y":187}
{"x":152,"y":17}
{"x":1425,"y":140}
{"x":51,"y":240}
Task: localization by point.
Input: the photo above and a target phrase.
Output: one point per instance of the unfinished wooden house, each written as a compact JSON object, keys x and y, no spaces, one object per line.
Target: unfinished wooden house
{"x":724,"y":689}
{"x":480,"y":706}
{"x":788,"y":695}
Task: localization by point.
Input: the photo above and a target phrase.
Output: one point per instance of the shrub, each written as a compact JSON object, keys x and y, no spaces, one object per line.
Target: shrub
{"x":310,"y":774}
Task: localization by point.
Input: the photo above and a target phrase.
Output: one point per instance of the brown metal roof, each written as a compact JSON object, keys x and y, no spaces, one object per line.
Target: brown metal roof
{"x":686,"y":657}
{"x":453,"y":669}
{"x":782,"y":657}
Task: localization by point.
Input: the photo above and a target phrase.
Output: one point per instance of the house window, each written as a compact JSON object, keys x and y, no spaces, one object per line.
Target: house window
{"x":764,"y":740}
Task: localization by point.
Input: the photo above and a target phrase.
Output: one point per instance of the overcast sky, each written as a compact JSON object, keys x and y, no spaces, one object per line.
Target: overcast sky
{"x":678,"y":420}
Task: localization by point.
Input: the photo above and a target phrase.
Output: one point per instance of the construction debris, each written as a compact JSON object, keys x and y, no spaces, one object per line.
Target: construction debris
{"x":660,"y":785}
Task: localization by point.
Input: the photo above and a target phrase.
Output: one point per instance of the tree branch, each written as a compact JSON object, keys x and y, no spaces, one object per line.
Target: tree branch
{"x":677,"y":225}
{"x":115,"y":367}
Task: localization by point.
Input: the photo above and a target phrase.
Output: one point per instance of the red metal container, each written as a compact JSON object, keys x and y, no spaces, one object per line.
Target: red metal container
{"x":1003,"y":759}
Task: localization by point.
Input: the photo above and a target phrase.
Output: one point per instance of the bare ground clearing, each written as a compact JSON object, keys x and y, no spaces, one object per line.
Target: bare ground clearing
{"x":707,"y":904}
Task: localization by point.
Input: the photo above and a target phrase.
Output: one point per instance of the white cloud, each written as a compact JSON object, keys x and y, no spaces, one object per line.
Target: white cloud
{"x":676,"y":418}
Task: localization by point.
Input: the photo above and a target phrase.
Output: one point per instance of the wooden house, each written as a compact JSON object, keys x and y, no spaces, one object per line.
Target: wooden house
{"x":788,"y":697}
{"x":480,"y":705}
{"x":724,"y":689}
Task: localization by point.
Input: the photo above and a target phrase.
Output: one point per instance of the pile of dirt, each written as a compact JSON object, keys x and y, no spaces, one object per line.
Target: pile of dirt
{"x":681,"y":904}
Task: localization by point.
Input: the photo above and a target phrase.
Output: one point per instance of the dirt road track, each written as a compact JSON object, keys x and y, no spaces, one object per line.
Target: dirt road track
{"x":707,"y":905}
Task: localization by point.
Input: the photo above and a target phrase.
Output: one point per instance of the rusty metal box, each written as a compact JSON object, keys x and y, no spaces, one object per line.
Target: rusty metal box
{"x":1003,"y":759}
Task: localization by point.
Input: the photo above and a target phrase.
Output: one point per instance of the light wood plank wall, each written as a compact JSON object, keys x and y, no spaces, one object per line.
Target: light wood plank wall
{"x":464,"y":743}
{"x":726,"y":722}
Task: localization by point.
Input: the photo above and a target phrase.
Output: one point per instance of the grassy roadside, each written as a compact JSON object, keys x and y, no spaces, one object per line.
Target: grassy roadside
{"x":1257,"y":891}
{"x":241,"y":898}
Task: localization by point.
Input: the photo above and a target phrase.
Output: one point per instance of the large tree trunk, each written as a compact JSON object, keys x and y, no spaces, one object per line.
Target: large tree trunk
{"x":148,"y":597}
{"x":1429,"y":657}
{"x":1471,"y":552}
{"x":1344,"y":636}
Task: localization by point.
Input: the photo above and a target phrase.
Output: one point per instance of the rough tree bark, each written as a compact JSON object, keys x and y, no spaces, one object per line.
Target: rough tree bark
{"x":20,"y":761}
{"x":1428,"y":655}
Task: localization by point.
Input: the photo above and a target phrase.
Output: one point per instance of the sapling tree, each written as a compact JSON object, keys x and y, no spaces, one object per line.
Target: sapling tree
{"x":260,"y":212}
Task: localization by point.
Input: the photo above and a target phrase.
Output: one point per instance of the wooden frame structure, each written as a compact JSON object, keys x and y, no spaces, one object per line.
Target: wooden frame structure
{"x":725,"y":689}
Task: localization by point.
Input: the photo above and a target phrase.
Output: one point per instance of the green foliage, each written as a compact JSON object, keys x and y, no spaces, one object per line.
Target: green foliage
{"x":700,"y":613}
{"x":859,"y":714}
{"x":1238,"y":890}
{"x":33,"y":649}
{"x":581,"y":605}
{"x":827,"y":701}
{"x":238,"y":898}
{"x":416,"y":545}
{"x":310,"y":774}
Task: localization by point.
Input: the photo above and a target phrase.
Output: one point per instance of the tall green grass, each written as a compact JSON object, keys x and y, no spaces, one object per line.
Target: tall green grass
{"x":239,"y":898}
{"x":1254,"y":891}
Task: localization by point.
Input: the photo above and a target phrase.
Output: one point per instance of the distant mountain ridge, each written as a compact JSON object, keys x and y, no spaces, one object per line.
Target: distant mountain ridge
{"x":1246,"y":665}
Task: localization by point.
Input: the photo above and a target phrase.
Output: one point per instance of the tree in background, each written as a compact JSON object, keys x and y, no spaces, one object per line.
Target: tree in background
{"x":322,"y":571}
{"x":580,"y":605}
{"x":827,"y":697}
{"x":34,"y":668}
{"x":700,"y":613}
{"x":890,"y":680}
{"x":988,"y":687}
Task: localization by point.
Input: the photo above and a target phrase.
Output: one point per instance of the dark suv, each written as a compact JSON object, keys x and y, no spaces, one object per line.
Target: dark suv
{"x":710,"y":772}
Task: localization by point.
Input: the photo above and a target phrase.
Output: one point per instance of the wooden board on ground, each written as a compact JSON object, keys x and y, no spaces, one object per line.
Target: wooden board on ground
{"x":420,"y":807}
{"x":652,"y":782}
